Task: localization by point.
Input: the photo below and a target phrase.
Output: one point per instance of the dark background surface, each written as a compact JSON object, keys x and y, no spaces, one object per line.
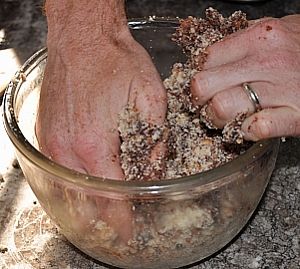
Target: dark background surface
{"x":25,"y":26}
{"x":271,"y":239}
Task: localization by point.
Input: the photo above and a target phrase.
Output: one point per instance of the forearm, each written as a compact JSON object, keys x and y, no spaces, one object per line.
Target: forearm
{"x":85,"y":21}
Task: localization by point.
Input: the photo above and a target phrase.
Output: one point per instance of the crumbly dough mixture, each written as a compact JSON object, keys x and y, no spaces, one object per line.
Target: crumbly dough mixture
{"x":193,"y":144}
{"x":177,"y":224}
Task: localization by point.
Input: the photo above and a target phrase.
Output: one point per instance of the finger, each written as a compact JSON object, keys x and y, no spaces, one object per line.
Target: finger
{"x":81,"y":207}
{"x":117,"y":214}
{"x":234,"y":47}
{"x":258,"y":67}
{"x":152,"y":107}
{"x":158,"y":161}
{"x":227,"y":104}
{"x":206,"y":84}
{"x":228,"y":50}
{"x":151,"y":104}
{"x":275,"y":122}
{"x":158,"y":152}
{"x":151,"y":99}
{"x":262,"y":35}
{"x":99,"y":154}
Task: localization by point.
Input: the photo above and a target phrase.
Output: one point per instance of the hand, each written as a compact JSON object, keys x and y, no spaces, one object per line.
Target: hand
{"x":82,"y":96}
{"x":267,"y":56}
{"x":91,"y":75}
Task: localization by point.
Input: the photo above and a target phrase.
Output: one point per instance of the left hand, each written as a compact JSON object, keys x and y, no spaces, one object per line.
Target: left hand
{"x":267,"y":56}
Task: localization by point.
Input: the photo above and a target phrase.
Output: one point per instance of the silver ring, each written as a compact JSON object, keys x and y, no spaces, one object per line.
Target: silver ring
{"x":252,"y":96}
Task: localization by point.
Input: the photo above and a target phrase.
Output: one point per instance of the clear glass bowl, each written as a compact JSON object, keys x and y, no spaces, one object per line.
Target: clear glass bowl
{"x":174,"y":222}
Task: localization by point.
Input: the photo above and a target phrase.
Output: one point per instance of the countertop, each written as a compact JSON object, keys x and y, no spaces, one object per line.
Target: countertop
{"x":28,"y":239}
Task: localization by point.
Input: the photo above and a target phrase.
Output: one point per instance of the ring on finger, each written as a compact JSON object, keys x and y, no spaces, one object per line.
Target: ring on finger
{"x":253,"y":97}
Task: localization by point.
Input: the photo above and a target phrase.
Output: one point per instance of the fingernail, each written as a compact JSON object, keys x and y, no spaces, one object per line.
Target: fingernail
{"x":216,"y":122}
{"x":194,"y":91}
{"x":206,"y":114}
{"x":210,"y":111}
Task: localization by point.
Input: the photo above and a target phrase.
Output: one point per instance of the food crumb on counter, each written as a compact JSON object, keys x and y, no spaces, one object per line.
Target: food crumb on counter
{"x":3,"y":249}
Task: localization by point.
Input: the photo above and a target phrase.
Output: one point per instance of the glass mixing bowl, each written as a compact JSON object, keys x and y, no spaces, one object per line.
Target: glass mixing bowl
{"x":173,"y":222}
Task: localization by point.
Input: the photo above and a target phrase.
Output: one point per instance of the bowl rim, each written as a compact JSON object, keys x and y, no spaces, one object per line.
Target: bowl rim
{"x":204,"y":180}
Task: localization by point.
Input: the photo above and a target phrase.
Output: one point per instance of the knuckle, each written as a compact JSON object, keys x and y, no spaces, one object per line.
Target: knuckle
{"x":91,"y":145}
{"x":55,"y":146}
{"x":286,"y":59}
{"x":219,"y":107}
{"x":273,"y":29}
{"x":282,"y":60}
{"x":272,"y":24}
{"x":85,"y":146}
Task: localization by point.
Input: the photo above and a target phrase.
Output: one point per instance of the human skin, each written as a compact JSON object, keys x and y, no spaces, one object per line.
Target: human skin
{"x":267,"y":56}
{"x":94,"y":69}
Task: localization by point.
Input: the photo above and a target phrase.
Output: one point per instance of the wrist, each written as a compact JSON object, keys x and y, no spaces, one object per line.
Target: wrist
{"x":85,"y":22}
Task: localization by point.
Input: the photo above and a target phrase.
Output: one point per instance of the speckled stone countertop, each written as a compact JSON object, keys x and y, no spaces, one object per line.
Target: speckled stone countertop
{"x":28,"y":239}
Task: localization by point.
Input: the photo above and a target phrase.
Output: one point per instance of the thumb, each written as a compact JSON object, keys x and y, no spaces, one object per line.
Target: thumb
{"x":150,"y":100}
